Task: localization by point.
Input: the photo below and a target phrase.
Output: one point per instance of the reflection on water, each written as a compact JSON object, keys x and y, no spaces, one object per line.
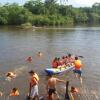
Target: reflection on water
{"x":17,"y":44}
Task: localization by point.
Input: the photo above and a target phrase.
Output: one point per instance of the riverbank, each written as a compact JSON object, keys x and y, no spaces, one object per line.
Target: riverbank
{"x":63,"y":27}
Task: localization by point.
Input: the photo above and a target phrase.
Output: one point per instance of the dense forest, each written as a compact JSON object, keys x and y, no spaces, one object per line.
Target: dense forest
{"x":47,"y":13}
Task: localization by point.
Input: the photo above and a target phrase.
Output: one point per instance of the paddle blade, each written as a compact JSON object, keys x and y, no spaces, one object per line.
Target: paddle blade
{"x":81,"y":56}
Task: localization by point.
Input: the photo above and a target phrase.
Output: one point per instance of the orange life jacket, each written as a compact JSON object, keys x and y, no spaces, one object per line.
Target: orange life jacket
{"x":78,"y":64}
{"x":34,"y":80}
{"x":14,"y":93}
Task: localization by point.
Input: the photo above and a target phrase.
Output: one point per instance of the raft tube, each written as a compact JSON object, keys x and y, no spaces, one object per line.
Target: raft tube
{"x":58,"y":70}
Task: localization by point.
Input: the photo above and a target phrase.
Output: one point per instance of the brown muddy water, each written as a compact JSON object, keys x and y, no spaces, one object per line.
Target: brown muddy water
{"x":17,"y":44}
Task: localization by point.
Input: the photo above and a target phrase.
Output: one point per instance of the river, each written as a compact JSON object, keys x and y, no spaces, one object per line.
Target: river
{"x":17,"y":44}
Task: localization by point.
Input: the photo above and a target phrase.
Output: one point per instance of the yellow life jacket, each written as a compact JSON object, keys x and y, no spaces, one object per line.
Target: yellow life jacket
{"x":36,"y":76}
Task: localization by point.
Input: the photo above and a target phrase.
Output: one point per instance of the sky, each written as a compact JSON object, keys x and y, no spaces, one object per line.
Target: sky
{"x":75,"y":3}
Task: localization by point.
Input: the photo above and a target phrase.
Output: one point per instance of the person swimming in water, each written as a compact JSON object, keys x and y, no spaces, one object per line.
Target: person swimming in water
{"x":29,"y":59}
{"x":74,"y":90}
{"x":10,"y":75}
{"x":14,"y":92}
{"x":40,"y":54}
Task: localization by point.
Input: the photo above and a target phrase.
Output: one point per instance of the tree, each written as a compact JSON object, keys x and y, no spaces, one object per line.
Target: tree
{"x":80,"y":16}
{"x":18,"y":14}
{"x":47,"y":13}
{"x":66,"y":10}
{"x":96,"y":8}
{"x":35,"y":6}
{"x":3,"y":15}
{"x":52,"y":1}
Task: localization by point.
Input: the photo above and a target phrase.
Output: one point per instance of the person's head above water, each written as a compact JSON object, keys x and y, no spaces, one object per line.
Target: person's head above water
{"x":69,"y":55}
{"x":14,"y":92}
{"x":29,"y":59}
{"x":14,"y":89}
{"x":40,"y":54}
{"x":50,"y":75}
{"x":74,"y":89}
{"x":8,"y":74}
{"x":31,"y":72}
{"x":76,"y":58}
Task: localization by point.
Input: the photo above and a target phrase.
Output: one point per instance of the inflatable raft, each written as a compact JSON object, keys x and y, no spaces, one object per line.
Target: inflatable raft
{"x":58,"y":70}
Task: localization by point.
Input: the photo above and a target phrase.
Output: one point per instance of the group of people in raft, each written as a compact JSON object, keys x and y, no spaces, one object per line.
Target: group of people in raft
{"x":52,"y":81}
{"x":64,"y":61}
{"x":67,"y":61}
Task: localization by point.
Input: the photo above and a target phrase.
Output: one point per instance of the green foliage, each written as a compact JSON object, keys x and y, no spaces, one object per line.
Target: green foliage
{"x":3,"y":15}
{"x":80,"y":16}
{"x":40,"y":20}
{"x":35,"y":6}
{"x":95,"y":18}
{"x":18,"y":14}
{"x":65,"y":10}
{"x":47,"y":13}
{"x":14,"y":14}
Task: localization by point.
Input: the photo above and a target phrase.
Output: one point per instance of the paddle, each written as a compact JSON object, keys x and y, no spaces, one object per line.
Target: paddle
{"x":66,"y":94}
{"x":81,"y":56}
{"x":77,"y":55}
{"x":28,"y":96}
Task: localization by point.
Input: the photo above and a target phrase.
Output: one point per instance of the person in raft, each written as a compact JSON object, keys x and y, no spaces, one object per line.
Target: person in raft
{"x":78,"y":70}
{"x":51,"y":87}
{"x":14,"y":92}
{"x":10,"y":75}
{"x":58,"y":63}
{"x":33,"y":91}
{"x":55,"y":63}
{"x":70,"y":58}
{"x":62,"y":61}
